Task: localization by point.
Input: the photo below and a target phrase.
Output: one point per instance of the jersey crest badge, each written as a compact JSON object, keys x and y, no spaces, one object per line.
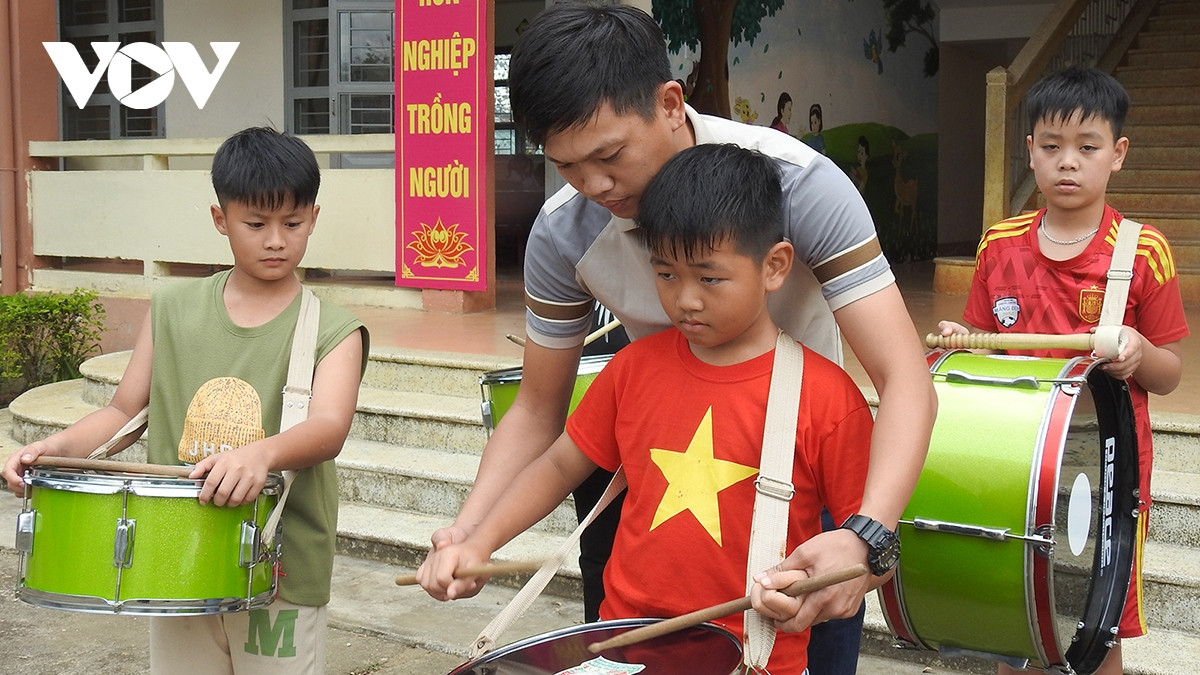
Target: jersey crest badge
{"x":1006,"y":310}
{"x":1091,"y":300}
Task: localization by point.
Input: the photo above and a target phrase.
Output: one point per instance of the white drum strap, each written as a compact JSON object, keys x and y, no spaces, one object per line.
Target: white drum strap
{"x":1120,"y":273}
{"x":135,"y":424}
{"x":537,"y":583}
{"x":296,"y":393}
{"x":774,"y":488}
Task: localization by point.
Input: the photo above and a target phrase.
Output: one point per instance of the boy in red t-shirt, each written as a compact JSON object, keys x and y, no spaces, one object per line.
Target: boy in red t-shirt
{"x":1045,"y":272}
{"x":683,"y":411}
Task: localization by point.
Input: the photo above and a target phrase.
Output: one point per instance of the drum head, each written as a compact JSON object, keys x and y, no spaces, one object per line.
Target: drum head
{"x":700,"y":650}
{"x":1095,"y":526}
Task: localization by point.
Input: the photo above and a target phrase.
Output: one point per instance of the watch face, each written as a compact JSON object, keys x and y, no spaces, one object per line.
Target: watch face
{"x":888,"y":556}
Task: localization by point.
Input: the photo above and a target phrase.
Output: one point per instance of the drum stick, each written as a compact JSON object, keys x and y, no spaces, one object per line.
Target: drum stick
{"x":1107,"y":341}
{"x":699,"y":616}
{"x":518,"y":341}
{"x":601,"y":332}
{"x":113,"y":465}
{"x":488,"y":569}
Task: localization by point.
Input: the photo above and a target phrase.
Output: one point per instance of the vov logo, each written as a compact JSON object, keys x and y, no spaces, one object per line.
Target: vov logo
{"x":171,"y":58}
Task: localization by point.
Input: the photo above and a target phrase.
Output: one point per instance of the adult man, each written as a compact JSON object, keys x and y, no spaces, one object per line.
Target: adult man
{"x":592,"y":85}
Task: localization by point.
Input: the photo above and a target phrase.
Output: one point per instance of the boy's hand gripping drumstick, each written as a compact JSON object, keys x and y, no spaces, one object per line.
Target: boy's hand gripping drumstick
{"x":489,"y":569}
{"x":724,"y":609}
{"x":1107,"y":341}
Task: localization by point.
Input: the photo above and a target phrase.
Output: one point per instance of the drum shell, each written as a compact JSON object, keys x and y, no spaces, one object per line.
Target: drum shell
{"x":706,"y":649}
{"x":996,"y":459}
{"x":499,"y":387}
{"x":184,"y":557}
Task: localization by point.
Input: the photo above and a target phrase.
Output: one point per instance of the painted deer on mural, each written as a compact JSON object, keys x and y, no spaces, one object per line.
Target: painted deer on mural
{"x":906,"y":190}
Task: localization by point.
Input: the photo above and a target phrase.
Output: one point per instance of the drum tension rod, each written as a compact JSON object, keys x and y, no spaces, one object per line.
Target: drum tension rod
{"x":1041,"y":538}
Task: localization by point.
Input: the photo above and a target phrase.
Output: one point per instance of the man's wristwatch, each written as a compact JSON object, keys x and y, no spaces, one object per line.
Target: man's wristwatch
{"x":883,"y":548}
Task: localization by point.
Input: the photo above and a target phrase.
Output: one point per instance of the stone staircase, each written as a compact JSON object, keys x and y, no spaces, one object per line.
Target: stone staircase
{"x":413,"y":452}
{"x":1160,"y":181}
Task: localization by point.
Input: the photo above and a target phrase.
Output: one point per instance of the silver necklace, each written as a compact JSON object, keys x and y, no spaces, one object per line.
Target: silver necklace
{"x":1068,"y":242}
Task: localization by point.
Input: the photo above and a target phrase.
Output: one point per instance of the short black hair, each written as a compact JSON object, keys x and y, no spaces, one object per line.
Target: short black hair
{"x":1088,"y":92}
{"x":575,"y":57}
{"x":265,"y":168}
{"x":711,"y":193}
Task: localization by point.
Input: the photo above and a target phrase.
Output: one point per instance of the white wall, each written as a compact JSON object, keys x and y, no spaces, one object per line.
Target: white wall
{"x":250,"y":93}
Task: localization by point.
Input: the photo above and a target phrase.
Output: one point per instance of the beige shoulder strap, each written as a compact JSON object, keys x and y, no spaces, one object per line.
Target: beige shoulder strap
{"x":297,"y":392}
{"x":768,"y":534}
{"x":524,"y":598}
{"x":1120,"y":273}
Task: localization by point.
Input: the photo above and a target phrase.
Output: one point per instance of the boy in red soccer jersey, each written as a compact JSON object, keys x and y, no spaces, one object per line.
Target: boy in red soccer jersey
{"x":1046,"y":271}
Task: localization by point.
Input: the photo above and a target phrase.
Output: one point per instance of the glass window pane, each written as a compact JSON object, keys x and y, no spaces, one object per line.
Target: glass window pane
{"x":91,"y":123}
{"x":135,"y":10}
{"x":311,"y":52}
{"x":506,"y":142}
{"x":369,"y":113}
{"x":84,"y":12}
{"x":500,"y":68}
{"x":503,"y":107}
{"x":366,"y":46}
{"x":139,"y":123}
{"x":312,"y":115}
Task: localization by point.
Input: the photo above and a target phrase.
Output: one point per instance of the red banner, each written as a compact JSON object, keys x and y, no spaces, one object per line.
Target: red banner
{"x":443,"y":143}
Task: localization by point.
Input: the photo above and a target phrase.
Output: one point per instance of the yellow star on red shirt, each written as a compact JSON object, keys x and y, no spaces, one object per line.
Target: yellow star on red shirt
{"x":694,"y":477}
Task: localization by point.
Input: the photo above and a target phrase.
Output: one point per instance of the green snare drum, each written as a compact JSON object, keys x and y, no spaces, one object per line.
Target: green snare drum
{"x":134,"y":544}
{"x":500,"y":388}
{"x":1018,"y":542}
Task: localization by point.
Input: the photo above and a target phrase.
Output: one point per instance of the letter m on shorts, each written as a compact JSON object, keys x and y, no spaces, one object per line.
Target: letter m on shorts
{"x":263,"y":639}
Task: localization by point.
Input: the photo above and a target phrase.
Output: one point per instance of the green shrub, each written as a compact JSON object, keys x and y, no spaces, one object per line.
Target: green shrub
{"x":44,"y":337}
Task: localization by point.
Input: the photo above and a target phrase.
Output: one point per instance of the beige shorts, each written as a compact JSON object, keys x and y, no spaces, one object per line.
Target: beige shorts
{"x":280,"y":638}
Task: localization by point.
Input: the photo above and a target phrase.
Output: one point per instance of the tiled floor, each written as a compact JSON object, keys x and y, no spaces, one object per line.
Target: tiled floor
{"x":484,"y":333}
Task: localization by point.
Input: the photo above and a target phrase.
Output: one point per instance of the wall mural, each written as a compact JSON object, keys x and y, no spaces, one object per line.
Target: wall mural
{"x":855,"y":79}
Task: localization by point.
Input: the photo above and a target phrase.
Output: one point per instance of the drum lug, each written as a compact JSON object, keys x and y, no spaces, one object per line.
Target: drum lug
{"x":123,"y":545}
{"x":251,"y":552}
{"x":485,"y":410}
{"x":24,"y":540}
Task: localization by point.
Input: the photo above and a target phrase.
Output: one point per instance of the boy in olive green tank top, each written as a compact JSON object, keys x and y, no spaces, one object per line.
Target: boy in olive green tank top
{"x":210,"y":360}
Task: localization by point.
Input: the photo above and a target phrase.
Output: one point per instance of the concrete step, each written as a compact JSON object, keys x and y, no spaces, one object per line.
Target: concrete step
{"x":402,"y":538}
{"x":1133,"y":177}
{"x":408,"y":398}
{"x":1164,"y":156}
{"x":1175,"y":514}
{"x":1162,"y":105}
{"x":421,"y":480}
{"x":1159,"y":652}
{"x":1183,"y":72}
{"x":1173,"y":226}
{"x":1180,"y":201}
{"x":1174,"y":9}
{"x":1151,"y":56}
{"x":442,"y":373}
{"x":452,"y":423}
